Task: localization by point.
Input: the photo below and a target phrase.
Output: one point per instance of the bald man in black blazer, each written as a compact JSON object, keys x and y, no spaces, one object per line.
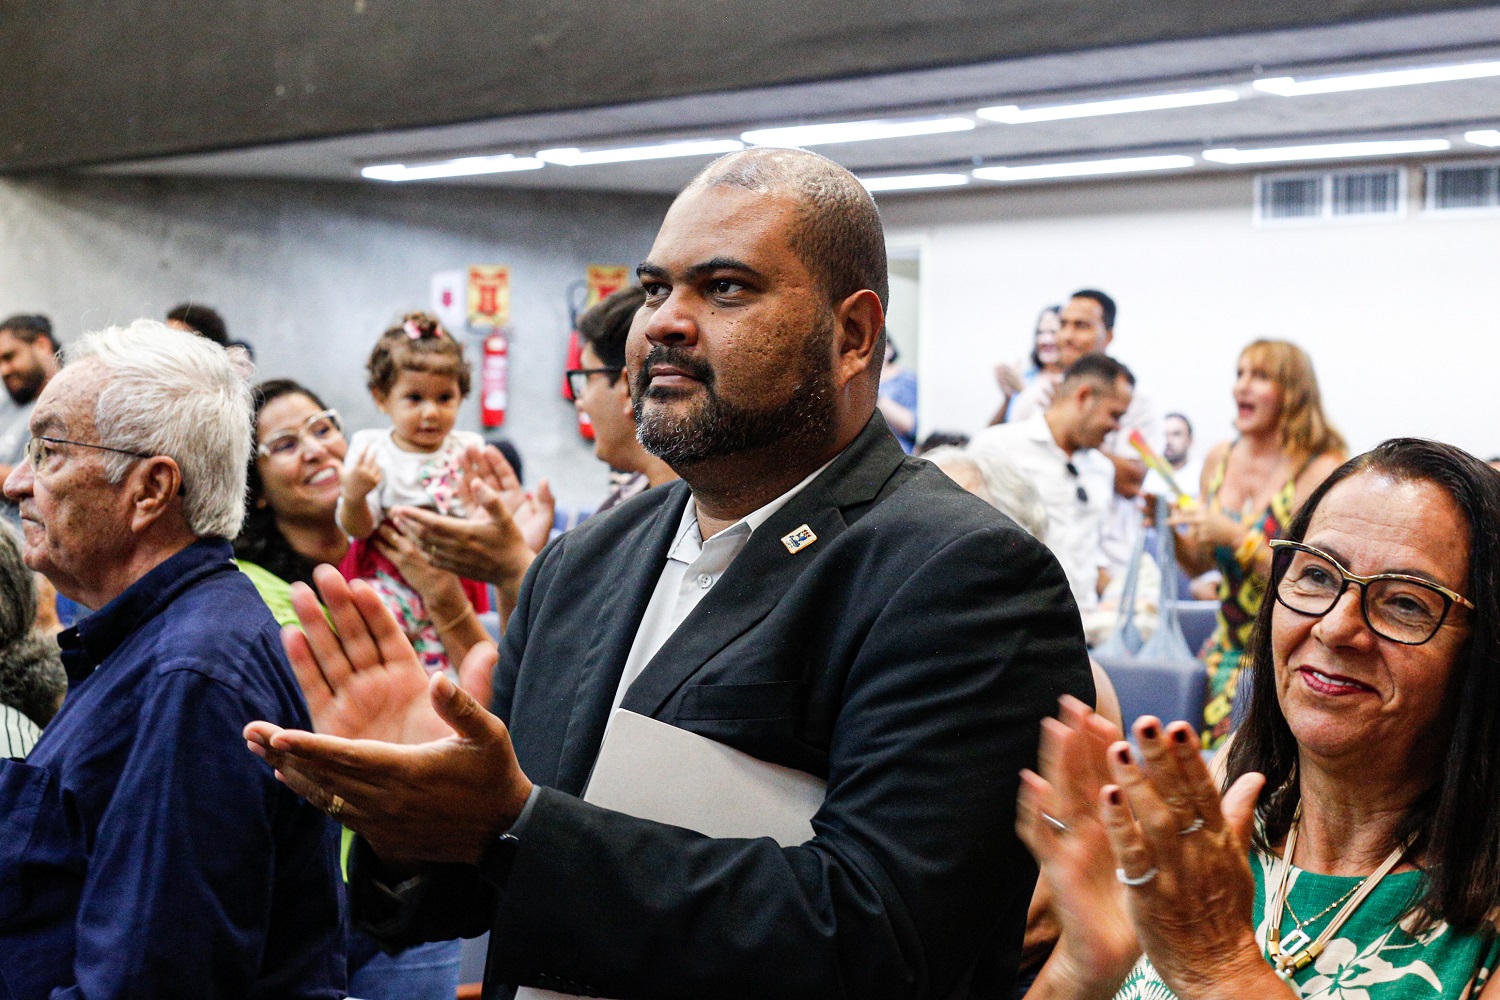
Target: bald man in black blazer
{"x":880,"y":629}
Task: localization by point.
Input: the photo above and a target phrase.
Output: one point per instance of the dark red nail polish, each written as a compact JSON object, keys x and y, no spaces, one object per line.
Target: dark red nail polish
{"x":1114,"y":796}
{"x":1180,"y":736}
{"x":1123,"y":755}
{"x":1149,"y":730}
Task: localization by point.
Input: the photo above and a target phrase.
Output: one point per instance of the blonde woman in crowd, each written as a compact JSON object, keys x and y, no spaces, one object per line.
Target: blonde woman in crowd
{"x":1251,"y":488}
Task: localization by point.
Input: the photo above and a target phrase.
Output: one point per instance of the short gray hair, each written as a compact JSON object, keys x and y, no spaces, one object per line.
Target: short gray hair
{"x":168,"y":392}
{"x":1005,"y":489}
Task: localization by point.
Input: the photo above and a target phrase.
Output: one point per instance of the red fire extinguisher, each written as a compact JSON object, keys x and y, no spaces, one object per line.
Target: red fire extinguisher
{"x":494,"y":380}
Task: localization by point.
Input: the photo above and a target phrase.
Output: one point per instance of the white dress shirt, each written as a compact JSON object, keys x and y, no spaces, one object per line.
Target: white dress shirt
{"x":1123,"y":520}
{"x":1074,"y":525}
{"x":693,"y":566}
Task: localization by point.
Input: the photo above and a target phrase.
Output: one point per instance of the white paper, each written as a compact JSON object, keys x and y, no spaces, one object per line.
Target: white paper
{"x":654,"y":771}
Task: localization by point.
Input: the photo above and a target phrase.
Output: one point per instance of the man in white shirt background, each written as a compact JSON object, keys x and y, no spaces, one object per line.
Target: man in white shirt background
{"x":1088,"y":326}
{"x":1058,"y":451}
{"x":28,"y":360}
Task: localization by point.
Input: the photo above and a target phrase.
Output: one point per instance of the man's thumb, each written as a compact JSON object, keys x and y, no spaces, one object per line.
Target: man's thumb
{"x":460,"y":710}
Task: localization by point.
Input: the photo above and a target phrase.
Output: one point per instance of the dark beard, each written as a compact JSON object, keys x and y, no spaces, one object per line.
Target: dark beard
{"x":36,"y":379}
{"x":718,"y":428}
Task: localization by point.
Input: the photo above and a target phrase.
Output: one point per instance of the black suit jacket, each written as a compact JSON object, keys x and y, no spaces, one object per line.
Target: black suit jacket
{"x":907,"y":657}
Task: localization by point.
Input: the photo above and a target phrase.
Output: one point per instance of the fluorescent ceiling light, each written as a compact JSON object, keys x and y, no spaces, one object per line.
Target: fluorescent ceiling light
{"x":1329,"y":151}
{"x":818,"y":135}
{"x":1009,"y":114}
{"x":464,"y":166}
{"x":1484,"y":137}
{"x":913,"y":182}
{"x":572,"y":156}
{"x":1084,"y":168}
{"x":1286,"y":86}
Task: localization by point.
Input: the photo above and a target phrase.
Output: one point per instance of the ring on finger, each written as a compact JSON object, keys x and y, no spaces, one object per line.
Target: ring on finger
{"x":1137,"y":880}
{"x":1055,"y":823}
{"x":1193,"y":827}
{"x":335,"y":806}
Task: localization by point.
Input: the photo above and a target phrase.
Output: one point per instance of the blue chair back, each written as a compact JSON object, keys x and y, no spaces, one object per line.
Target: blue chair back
{"x":1168,"y":689}
{"x":1198,"y":620}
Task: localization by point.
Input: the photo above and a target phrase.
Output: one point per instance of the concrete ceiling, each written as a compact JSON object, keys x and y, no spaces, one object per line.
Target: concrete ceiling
{"x":1440,"y":110}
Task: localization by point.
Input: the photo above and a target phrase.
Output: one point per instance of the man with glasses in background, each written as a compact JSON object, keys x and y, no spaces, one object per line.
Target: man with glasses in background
{"x":1058,"y":451}
{"x":141,"y":854}
{"x":28,"y":360}
{"x":600,"y":391}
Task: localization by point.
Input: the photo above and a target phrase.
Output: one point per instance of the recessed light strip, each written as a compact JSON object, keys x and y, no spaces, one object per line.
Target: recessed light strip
{"x":913,"y":182}
{"x":1010,"y":114}
{"x":1327,"y":151}
{"x":1484,"y":137}
{"x":819,"y":135}
{"x":464,"y":166}
{"x":572,"y":156}
{"x":1286,"y":86}
{"x":1084,"y":168}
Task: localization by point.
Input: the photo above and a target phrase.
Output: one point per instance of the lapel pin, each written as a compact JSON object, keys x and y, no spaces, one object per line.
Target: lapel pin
{"x":799,"y":539}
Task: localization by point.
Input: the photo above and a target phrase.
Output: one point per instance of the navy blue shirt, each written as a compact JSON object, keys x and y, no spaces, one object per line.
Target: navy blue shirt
{"x":144,"y":852}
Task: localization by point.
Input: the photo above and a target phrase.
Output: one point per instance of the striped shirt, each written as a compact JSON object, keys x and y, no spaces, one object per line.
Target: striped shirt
{"x":18,"y":734}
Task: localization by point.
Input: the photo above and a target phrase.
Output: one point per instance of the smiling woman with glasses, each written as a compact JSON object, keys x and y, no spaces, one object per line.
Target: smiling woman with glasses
{"x":1364,"y":783}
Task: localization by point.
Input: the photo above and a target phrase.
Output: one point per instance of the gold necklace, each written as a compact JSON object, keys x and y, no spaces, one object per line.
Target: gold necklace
{"x":1320,"y":914}
{"x":1296,"y":951}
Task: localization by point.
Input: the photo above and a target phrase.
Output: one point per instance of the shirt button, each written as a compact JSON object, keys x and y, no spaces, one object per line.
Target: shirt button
{"x":705,"y":581}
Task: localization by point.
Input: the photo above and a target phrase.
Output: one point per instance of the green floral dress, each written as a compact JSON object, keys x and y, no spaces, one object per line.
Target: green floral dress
{"x":1373,"y":957}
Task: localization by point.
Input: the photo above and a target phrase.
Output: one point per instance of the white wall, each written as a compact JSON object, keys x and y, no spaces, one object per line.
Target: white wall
{"x":311,"y":274}
{"x":1402,"y":319}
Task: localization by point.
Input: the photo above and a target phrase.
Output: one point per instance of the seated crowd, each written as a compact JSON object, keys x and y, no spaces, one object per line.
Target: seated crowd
{"x":328,"y":702}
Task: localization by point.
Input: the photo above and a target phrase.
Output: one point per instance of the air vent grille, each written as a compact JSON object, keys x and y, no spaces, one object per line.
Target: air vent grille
{"x":1376,"y":192}
{"x":1463,"y":187}
{"x":1291,"y":197}
{"x":1330,"y":196}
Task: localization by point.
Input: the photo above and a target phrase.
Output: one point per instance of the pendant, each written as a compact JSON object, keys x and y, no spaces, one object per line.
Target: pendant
{"x":1295,"y":942}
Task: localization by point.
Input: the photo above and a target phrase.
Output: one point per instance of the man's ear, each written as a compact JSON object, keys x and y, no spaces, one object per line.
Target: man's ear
{"x":622,"y":387}
{"x":858,"y":322}
{"x":156,"y":486}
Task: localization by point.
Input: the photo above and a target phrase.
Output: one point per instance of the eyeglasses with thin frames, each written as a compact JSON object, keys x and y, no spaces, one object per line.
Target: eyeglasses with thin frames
{"x":37,"y":452}
{"x":1396,"y":606}
{"x":578,"y":378}
{"x":323,"y":427}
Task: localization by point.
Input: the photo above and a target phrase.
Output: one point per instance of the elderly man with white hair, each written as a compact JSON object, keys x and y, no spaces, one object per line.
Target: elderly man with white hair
{"x":143,"y":853}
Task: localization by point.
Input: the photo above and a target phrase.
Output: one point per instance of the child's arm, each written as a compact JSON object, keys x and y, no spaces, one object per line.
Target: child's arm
{"x":358,"y":479}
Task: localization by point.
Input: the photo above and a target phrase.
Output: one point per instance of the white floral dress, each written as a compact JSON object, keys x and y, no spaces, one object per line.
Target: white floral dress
{"x":1373,"y":957}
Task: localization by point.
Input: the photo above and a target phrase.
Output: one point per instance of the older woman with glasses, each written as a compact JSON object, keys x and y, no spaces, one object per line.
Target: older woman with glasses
{"x":289,"y":530}
{"x":291,"y":527}
{"x":1355,"y":852}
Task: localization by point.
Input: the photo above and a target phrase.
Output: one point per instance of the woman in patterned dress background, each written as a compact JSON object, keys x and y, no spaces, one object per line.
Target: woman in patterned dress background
{"x":1251,"y":488}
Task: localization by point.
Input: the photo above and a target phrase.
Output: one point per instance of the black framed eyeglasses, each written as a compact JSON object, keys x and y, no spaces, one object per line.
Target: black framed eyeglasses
{"x":37,"y":451}
{"x":1404,"y":609}
{"x":324,"y":427}
{"x":1082,"y":494}
{"x":578,"y":378}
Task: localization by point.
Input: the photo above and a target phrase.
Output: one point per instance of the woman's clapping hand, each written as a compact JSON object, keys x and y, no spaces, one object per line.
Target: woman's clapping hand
{"x":1058,"y":819}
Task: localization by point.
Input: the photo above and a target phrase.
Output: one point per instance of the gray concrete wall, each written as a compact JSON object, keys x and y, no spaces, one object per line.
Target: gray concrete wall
{"x":311,"y":274}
